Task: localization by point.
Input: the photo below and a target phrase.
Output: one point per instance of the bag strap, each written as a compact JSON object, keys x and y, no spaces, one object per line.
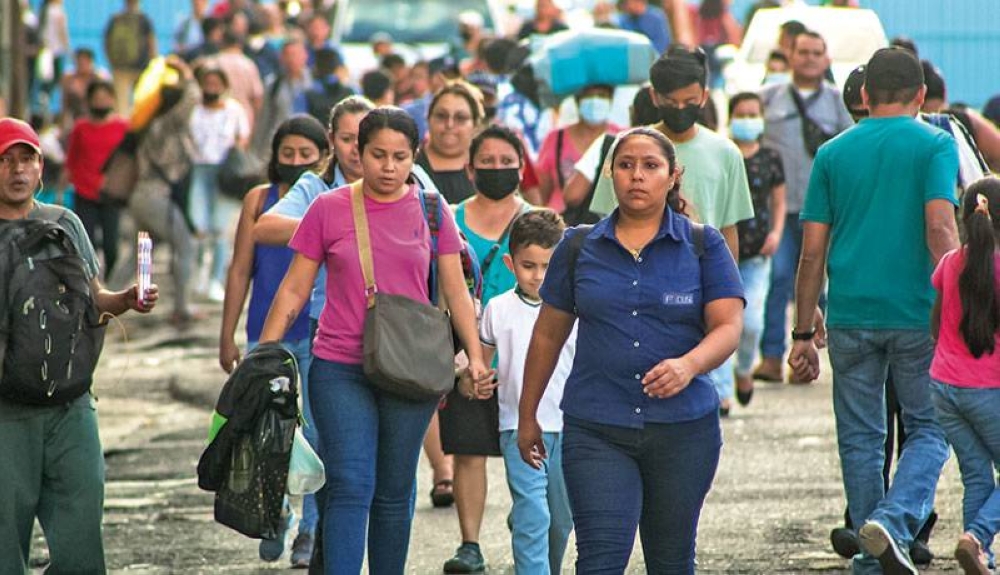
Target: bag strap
{"x":560,"y":134}
{"x":698,"y":239}
{"x":431,"y":204}
{"x":364,"y":242}
{"x":495,"y":249}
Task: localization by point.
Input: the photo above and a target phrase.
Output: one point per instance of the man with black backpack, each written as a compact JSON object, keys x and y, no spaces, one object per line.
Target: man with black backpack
{"x":52,"y":308}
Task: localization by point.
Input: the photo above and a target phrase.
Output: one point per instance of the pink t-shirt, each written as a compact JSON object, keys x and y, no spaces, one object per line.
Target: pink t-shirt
{"x":400,"y":241}
{"x":549,"y":164}
{"x":953,"y":363}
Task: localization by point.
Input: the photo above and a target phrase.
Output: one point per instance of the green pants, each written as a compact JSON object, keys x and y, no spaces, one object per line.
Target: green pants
{"x":52,"y":469}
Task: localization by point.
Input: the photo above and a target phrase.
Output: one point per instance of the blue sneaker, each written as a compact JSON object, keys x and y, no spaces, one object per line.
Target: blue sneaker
{"x":271,"y":549}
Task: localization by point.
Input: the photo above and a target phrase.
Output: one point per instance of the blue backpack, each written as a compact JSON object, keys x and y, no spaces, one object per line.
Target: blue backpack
{"x":433,"y":211}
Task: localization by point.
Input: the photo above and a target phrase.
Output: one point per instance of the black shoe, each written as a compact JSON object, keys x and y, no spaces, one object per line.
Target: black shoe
{"x":744,"y":397}
{"x":845,"y":542}
{"x":467,"y":559}
{"x":921,"y":554}
{"x":723,"y":412}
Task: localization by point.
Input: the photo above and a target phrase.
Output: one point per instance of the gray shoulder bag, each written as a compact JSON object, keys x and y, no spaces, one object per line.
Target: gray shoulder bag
{"x":408,"y":349}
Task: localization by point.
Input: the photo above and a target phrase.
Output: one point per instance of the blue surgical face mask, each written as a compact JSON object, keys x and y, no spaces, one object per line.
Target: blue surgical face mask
{"x":746,"y":129}
{"x":595,"y":110}
{"x":777,"y":78}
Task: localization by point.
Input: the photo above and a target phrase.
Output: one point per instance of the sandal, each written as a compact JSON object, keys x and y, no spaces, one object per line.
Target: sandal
{"x":441,"y":493}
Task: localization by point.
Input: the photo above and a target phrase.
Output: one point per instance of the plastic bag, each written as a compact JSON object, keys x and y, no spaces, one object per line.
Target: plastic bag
{"x":306,"y":473}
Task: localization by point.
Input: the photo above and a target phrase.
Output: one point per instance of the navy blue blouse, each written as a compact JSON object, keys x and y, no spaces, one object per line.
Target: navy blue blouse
{"x":636,"y":312}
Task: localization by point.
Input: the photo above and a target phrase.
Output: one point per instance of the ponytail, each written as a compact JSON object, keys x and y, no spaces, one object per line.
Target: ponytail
{"x":977,"y":287}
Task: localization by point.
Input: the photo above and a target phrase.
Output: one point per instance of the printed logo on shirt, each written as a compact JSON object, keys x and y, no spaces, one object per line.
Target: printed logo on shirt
{"x":678,"y":299}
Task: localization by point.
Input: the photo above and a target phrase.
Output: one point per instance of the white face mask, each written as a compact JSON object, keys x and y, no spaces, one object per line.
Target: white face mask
{"x":777,"y":78}
{"x":595,"y":110}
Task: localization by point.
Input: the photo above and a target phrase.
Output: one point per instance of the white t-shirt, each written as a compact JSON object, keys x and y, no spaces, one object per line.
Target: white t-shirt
{"x":587,"y":164}
{"x":215,"y":130}
{"x":506,"y":325}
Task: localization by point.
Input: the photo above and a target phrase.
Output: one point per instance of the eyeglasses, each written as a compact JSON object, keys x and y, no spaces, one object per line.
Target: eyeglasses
{"x":443,"y":118}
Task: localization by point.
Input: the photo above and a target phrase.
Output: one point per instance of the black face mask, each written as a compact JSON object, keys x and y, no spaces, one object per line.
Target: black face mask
{"x":679,"y":120}
{"x":210,"y":98}
{"x":466,"y":35}
{"x":497,"y":184}
{"x":99,"y":113}
{"x":290,"y":173}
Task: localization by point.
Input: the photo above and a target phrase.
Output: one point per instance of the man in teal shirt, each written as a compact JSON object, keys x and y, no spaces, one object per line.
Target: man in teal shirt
{"x":878,"y":215}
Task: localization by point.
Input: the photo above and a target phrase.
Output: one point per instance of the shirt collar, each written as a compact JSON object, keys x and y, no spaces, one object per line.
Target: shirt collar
{"x":670,"y":226}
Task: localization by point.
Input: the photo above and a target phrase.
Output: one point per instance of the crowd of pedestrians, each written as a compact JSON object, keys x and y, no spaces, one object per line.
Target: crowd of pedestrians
{"x":597,"y":359}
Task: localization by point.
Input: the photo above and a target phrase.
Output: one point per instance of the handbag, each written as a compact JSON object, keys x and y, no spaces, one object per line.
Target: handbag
{"x":121,"y":171}
{"x":407,"y":345}
{"x":813,"y":135}
{"x":238,"y":173}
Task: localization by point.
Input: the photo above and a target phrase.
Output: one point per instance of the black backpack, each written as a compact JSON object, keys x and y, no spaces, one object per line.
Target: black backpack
{"x":246,"y":464}
{"x":50,"y":330}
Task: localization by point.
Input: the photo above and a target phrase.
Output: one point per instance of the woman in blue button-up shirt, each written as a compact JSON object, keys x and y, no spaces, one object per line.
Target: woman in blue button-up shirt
{"x":641,"y":436}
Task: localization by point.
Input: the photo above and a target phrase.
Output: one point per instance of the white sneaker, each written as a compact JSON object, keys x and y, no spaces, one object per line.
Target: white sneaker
{"x":878,"y":542}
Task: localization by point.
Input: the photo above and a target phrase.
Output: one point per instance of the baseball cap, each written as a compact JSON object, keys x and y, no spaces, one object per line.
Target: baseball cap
{"x":14,"y":131}
{"x":852,"y":87}
{"x":893,"y":69}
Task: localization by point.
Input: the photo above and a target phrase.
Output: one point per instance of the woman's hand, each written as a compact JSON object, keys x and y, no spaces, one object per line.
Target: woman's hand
{"x":669,"y":377}
{"x":804,"y":360}
{"x":229,"y":355}
{"x":529,"y":442}
{"x":770,"y":246}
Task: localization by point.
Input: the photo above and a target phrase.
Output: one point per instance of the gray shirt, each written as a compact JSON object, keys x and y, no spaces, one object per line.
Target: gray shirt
{"x":783,"y":132}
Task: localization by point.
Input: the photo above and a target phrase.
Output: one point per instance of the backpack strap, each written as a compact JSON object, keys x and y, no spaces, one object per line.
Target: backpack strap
{"x":698,"y":239}
{"x":495,"y":249}
{"x":575,"y":246}
{"x":430,"y":202}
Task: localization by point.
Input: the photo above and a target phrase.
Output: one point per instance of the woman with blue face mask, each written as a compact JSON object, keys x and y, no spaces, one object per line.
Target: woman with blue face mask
{"x":759,"y":237}
{"x":562,"y":148}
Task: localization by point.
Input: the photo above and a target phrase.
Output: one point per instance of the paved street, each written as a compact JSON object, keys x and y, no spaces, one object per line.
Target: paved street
{"x":775,"y":499}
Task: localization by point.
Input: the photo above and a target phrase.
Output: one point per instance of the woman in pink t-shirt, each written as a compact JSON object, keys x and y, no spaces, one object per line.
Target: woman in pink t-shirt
{"x":966,"y":367}
{"x":370,"y":439}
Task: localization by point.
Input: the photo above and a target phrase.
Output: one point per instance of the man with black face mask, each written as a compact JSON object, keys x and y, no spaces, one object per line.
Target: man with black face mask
{"x":715,"y":180}
{"x":91,"y":142}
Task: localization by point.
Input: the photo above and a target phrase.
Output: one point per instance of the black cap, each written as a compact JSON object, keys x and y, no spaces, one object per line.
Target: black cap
{"x":893,"y":69}
{"x":447,"y":65}
{"x":852,"y":88}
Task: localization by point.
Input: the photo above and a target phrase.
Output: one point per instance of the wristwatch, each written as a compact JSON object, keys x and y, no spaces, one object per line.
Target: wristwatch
{"x":803,"y":335}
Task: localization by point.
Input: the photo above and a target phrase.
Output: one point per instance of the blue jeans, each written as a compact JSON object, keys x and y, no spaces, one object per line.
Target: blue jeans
{"x":860,"y":360}
{"x":370,"y":444}
{"x":969,"y":418}
{"x":540,"y":515}
{"x":756,"y":275}
{"x":783,"y":265}
{"x":211,"y":215}
{"x":655,"y":478}
{"x":300,"y":348}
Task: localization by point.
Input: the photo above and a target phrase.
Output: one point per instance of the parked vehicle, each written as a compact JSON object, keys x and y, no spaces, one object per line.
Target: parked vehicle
{"x":852,"y":35}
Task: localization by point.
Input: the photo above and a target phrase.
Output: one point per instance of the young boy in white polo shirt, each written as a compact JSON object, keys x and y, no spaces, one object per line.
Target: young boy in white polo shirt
{"x":540,"y":517}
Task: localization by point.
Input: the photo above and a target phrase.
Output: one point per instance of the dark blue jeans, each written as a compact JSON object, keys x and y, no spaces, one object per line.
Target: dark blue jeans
{"x":654,"y":478}
{"x":783,"y":266}
{"x":370,"y":445}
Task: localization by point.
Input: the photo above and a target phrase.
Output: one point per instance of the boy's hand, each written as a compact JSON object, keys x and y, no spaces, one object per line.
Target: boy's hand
{"x":472,"y":389}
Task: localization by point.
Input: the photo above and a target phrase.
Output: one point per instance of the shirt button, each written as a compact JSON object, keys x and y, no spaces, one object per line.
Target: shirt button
{"x":635,"y":312}
{"x":638,"y":410}
{"x":635,"y":344}
{"x":635,"y":282}
{"x":637,"y":376}
{"x":639,"y":260}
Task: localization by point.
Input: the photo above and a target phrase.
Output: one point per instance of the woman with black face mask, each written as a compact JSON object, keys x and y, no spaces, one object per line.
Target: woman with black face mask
{"x":470,"y":429}
{"x":298,"y":145}
{"x":218,"y":124}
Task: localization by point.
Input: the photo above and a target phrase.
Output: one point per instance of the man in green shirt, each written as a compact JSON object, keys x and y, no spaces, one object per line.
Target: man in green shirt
{"x":878,"y":215}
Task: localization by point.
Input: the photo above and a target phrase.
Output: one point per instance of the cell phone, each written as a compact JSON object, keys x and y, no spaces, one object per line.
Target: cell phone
{"x":144,"y":267}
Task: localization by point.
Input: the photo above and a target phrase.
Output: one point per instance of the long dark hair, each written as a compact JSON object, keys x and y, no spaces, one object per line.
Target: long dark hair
{"x":674,"y":199}
{"x":977,"y":282}
{"x":390,"y":118}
